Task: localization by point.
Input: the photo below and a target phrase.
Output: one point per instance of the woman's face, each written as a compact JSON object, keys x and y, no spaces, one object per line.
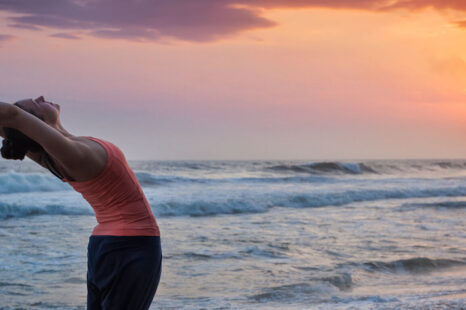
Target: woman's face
{"x":48,"y":111}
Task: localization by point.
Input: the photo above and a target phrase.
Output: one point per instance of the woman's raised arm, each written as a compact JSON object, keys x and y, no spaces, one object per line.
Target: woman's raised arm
{"x":69,"y":152}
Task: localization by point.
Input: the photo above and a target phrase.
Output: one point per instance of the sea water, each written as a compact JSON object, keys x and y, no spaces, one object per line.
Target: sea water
{"x":254,"y":235}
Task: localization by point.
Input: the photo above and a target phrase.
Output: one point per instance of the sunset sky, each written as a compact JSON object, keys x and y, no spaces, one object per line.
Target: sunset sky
{"x":258,"y":79}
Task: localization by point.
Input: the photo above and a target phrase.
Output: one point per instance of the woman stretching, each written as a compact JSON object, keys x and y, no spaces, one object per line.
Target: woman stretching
{"x":124,"y":251}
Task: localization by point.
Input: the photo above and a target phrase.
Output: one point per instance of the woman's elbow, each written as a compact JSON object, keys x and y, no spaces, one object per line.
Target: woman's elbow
{"x":8,"y":113}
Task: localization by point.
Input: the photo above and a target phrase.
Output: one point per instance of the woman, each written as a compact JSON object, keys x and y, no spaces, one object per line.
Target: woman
{"x":124,"y":251}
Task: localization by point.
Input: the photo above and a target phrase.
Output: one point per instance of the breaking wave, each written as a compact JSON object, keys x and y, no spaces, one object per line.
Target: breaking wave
{"x":216,"y":205}
{"x":319,"y":199}
{"x":14,"y":210}
{"x":13,"y":182}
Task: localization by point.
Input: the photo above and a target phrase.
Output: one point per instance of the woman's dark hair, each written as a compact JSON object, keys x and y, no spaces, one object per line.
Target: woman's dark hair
{"x":15,"y":145}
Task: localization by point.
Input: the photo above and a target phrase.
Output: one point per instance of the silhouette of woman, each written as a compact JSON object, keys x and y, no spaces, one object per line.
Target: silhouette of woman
{"x":124,"y":250}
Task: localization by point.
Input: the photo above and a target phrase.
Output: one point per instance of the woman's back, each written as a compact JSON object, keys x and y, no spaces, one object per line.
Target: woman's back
{"x":116,"y":196}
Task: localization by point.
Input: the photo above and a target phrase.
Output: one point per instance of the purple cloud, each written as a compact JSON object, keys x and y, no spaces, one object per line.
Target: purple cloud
{"x":5,"y":38}
{"x":64,"y":35}
{"x":190,"y":20}
{"x":204,"y":20}
{"x":24,"y":26}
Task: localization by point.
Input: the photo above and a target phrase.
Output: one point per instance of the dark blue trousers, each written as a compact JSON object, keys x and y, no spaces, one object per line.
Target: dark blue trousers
{"x":122,"y":272}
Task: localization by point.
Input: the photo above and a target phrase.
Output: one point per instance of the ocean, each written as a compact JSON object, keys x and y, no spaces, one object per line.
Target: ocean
{"x":369,"y":234}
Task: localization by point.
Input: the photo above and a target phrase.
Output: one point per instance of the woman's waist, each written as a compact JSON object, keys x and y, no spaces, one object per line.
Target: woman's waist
{"x":124,"y":212}
{"x":122,"y":228}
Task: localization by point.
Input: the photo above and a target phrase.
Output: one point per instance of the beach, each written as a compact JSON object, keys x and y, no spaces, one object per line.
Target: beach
{"x":348,"y":234}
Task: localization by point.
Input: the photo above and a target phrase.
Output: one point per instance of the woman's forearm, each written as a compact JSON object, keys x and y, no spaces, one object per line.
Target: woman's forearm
{"x":8,"y":113}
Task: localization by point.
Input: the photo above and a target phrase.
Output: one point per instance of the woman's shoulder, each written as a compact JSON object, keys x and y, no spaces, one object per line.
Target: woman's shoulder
{"x":98,"y":156}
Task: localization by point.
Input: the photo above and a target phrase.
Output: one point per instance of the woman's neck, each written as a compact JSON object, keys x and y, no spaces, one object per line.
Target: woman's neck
{"x":58,"y":126}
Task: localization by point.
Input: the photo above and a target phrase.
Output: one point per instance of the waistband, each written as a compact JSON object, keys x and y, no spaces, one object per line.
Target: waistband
{"x":111,"y":243}
{"x":100,"y":237}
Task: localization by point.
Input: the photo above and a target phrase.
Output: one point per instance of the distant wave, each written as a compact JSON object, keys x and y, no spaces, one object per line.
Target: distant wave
{"x":414,"y":265}
{"x":450,"y":164}
{"x":14,"y":210}
{"x":13,"y":182}
{"x":325,"y":167}
{"x":148,"y":179}
{"x":375,"y":167}
{"x":323,"y":172}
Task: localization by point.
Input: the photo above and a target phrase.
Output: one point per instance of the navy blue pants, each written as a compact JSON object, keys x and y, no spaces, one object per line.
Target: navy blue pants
{"x":122,"y":272}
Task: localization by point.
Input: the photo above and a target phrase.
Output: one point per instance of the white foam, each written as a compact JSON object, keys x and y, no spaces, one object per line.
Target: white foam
{"x":13,"y":182}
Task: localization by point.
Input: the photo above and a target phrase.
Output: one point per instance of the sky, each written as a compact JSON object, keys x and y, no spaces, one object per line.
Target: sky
{"x":236,"y":79}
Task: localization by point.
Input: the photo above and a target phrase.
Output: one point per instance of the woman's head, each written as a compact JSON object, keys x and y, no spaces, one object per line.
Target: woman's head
{"x":45,"y":110}
{"x":16,"y":144}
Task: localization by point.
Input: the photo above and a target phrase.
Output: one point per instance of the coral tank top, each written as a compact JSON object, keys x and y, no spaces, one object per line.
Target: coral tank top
{"x":120,"y":206}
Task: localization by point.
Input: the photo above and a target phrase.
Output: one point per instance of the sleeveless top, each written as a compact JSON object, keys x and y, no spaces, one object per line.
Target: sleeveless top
{"x":120,"y":206}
